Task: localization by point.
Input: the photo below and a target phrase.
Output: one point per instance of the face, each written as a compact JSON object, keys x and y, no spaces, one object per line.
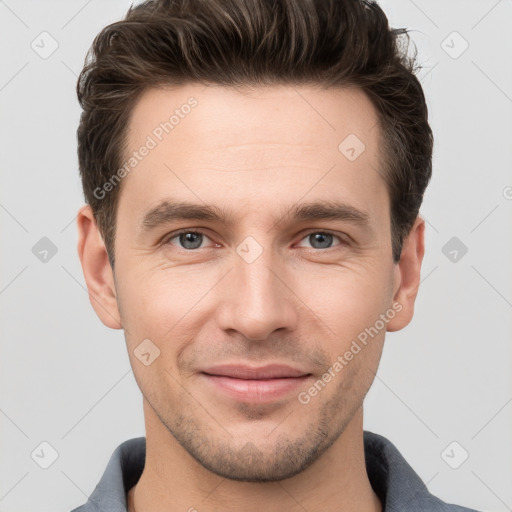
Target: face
{"x":288,"y":267}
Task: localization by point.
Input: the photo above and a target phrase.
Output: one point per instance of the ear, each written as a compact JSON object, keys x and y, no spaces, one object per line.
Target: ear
{"x":406,"y":279}
{"x":97,"y":271}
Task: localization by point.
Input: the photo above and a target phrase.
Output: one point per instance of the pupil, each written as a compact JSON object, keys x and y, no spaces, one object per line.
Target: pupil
{"x":323,"y":238}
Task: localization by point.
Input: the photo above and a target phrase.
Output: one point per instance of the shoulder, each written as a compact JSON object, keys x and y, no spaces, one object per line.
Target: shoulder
{"x":396,"y":483}
{"x":121,"y":474}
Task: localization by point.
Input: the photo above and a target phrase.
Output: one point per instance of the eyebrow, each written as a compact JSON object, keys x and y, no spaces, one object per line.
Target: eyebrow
{"x":168,"y":211}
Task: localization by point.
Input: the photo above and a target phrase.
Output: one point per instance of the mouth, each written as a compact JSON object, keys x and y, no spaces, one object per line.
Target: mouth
{"x":255,"y":384}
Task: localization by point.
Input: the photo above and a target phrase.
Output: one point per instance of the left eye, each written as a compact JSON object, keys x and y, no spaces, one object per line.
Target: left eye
{"x":322,"y":239}
{"x":191,"y":240}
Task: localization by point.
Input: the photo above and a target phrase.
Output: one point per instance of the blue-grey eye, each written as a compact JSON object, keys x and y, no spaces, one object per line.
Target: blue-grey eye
{"x":190,"y":240}
{"x":320,"y":240}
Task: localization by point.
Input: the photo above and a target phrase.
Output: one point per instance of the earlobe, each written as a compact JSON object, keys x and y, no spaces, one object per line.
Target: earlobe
{"x":97,"y":271}
{"x":407,"y":276}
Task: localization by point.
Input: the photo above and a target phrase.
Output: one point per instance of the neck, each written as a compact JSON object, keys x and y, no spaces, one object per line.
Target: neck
{"x":172,"y":481}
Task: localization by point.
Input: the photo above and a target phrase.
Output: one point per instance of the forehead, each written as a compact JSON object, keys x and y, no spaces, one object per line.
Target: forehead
{"x":226,"y":116}
{"x":253,"y":146}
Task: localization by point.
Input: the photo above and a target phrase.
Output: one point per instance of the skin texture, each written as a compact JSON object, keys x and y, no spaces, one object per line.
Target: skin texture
{"x":299,"y":303}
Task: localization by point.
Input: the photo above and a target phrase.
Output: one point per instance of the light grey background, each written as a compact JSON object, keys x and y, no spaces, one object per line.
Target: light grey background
{"x":66,"y":379}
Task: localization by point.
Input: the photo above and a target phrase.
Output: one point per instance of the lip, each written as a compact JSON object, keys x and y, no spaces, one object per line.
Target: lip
{"x":269,"y":371}
{"x":262,"y":384}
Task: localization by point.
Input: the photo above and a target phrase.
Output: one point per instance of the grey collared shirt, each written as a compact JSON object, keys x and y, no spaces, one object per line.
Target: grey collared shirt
{"x":396,"y":484}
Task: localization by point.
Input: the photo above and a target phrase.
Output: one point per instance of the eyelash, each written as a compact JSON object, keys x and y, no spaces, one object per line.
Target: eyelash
{"x":176,"y":234}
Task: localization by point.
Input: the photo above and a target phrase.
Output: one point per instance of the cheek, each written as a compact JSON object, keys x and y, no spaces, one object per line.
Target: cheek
{"x":154,"y":338}
{"x":347,"y":299}
{"x":166,"y":307}
{"x":154,"y":301}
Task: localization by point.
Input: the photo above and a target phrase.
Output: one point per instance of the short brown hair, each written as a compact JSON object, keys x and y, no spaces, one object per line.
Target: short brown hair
{"x":331,"y":43}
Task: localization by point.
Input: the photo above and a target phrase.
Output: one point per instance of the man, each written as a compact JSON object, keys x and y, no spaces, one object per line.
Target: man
{"x":254,"y":171}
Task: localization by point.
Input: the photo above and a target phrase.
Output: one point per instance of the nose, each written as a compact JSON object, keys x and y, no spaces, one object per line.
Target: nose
{"x":257,"y":299}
